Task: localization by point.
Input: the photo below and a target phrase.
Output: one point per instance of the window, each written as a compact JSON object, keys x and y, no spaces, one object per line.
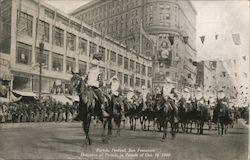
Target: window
{"x":82,"y":67}
{"x":143,"y":70}
{"x":58,"y":37}
{"x":82,"y":46}
{"x":149,"y":71}
{"x":107,"y":57}
{"x":113,"y":57}
{"x":43,"y":30}
{"x":92,"y":48}
{"x":167,"y":74}
{"x":112,"y":73}
{"x":102,"y":52}
{"x":132,"y":80}
{"x":71,"y":41}
{"x":70,"y":64}
{"x":24,"y":23}
{"x":57,"y":62}
{"x":167,"y":16}
{"x":125,"y":63}
{"x":137,"y":82}
{"x":23,"y":55}
{"x":44,"y":58}
{"x":137,"y":67}
{"x":149,"y":84}
{"x":125,"y":79}
{"x":132,"y":63}
{"x":143,"y":82}
{"x":120,"y":57}
{"x":119,"y":75}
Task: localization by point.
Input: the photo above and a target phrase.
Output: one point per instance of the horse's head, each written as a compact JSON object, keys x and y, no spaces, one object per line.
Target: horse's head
{"x":76,"y":81}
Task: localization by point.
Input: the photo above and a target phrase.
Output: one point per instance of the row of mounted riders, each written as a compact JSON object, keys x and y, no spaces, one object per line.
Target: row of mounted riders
{"x":157,"y":109}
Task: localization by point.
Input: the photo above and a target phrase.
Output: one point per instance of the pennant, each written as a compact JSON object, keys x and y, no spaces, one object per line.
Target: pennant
{"x":216,"y":36}
{"x":185,"y":39}
{"x":202,"y":39}
{"x":244,"y":57}
{"x":236,"y":39}
{"x":245,"y":74}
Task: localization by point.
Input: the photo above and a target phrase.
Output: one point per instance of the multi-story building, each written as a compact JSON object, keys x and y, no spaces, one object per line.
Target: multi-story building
{"x":167,"y":25}
{"x":231,"y":75}
{"x":69,"y":44}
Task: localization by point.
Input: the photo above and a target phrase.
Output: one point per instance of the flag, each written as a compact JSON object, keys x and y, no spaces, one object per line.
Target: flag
{"x":202,"y":39}
{"x":216,"y":36}
{"x":236,"y":39}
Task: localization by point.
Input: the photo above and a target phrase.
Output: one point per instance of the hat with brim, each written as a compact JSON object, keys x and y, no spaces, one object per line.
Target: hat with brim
{"x":95,"y":62}
{"x":143,"y":87}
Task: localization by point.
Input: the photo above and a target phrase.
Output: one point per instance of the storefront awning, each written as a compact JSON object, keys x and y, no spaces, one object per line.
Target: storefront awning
{"x":62,"y":99}
{"x":25,"y":94}
{"x":73,"y":98}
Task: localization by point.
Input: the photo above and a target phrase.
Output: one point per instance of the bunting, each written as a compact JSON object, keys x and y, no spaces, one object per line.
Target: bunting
{"x":202,"y":39}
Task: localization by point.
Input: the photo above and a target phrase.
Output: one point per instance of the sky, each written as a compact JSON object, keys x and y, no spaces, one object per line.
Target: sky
{"x":223,"y":18}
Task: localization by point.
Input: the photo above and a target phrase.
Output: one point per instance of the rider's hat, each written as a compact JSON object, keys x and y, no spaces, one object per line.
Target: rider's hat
{"x":198,"y":89}
{"x":186,"y":90}
{"x":143,"y":87}
{"x":95,"y":62}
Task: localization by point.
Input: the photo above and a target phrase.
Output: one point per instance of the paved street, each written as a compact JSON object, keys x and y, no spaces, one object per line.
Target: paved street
{"x":65,"y":141}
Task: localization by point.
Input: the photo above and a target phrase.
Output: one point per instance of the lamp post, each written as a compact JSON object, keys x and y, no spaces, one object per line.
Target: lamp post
{"x":41,"y":48}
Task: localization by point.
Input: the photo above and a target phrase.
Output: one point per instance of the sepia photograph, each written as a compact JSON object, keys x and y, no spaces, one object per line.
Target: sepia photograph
{"x":124,"y":79}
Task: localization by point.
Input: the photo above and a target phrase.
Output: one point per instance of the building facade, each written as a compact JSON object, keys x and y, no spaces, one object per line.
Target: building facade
{"x":163,"y":29}
{"x":230,"y":75}
{"x":69,"y":45}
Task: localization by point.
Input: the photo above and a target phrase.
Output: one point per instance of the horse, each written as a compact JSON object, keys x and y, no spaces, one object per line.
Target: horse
{"x":220,"y":115}
{"x":202,"y":117}
{"x":167,"y":114}
{"x":87,"y":104}
{"x":148,"y":113}
{"x":183,"y":114}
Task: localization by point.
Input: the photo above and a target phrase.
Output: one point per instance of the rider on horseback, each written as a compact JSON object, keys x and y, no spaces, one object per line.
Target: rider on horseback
{"x":199,"y":98}
{"x":170,"y":94}
{"x":95,"y":82}
{"x":144,"y":96}
{"x":115,"y":90}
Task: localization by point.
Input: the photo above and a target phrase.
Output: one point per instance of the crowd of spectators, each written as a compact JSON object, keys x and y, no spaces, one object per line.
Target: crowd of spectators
{"x":48,"y":111}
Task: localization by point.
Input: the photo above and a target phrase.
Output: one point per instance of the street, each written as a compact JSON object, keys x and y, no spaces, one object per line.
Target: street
{"x":65,"y":141}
